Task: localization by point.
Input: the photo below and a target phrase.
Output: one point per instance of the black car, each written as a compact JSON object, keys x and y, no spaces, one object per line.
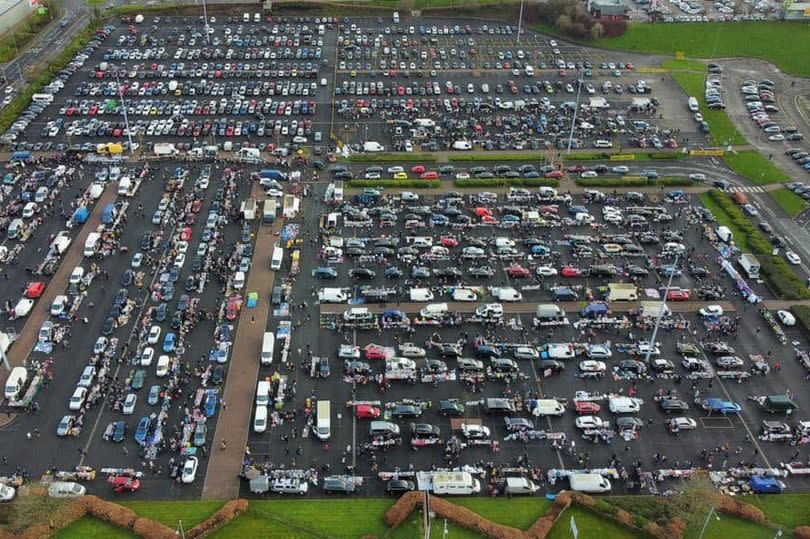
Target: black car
{"x":397,"y":486}
{"x":218,"y":375}
{"x":451,"y":407}
{"x":177,"y":320}
{"x":161,"y":312}
{"x":393,"y":272}
{"x":126,"y":278}
{"x":108,"y":327}
{"x":629,"y":423}
{"x":551,"y":364}
{"x":120,"y":297}
{"x":765,"y":227}
{"x":337,"y":485}
{"x":406,"y":410}
{"x":362,"y":273}
{"x":425,"y":430}
{"x":146,"y":241}
{"x":632,"y":365}
{"x":672,"y":404}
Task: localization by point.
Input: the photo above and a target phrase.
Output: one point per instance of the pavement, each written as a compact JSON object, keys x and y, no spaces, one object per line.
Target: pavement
{"x":225,"y":464}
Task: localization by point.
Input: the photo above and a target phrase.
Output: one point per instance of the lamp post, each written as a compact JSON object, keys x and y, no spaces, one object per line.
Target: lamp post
{"x":124,"y":110}
{"x":520,"y":22}
{"x":712,"y":511}
{"x":576,"y":110}
{"x":661,"y":315}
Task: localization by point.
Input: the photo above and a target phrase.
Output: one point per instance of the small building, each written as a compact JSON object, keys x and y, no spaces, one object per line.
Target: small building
{"x":608,"y":9}
{"x":797,"y":11}
{"x":12,"y":12}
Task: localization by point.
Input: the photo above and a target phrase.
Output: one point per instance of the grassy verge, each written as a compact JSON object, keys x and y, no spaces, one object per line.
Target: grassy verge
{"x":637,"y":156}
{"x":521,"y":513}
{"x":684,"y":65}
{"x":92,"y":528}
{"x":498,"y":156}
{"x":721,"y":128}
{"x":169,"y":512}
{"x":764,"y":40}
{"x":776,"y":272}
{"x":16,"y":107}
{"x":390,"y":157}
{"x":634,"y":182}
{"x":788,"y":510}
{"x":397,"y":184}
{"x":792,"y":203}
{"x":589,"y":525}
{"x":507,"y":182}
{"x":24,"y":33}
{"x":755,"y":167}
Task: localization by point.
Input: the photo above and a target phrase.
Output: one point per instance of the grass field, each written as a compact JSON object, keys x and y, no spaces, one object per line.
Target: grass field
{"x":788,"y":510}
{"x":169,"y":512}
{"x":731,"y":528}
{"x":521,"y":514}
{"x":721,"y":128}
{"x":764,"y":40}
{"x":91,"y":528}
{"x":590,"y":526}
{"x":756,"y":167}
{"x":724,"y":219}
{"x":792,"y":203}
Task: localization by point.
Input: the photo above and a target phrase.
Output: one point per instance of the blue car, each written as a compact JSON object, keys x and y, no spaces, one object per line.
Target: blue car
{"x":325,"y":273}
{"x":669,"y":271}
{"x":168,"y":343}
{"x":160,"y":313}
{"x":119,"y":431}
{"x":210,"y":402}
{"x":715,"y":404}
{"x":154,"y":395}
{"x":142,"y":430}
{"x":540,"y":250}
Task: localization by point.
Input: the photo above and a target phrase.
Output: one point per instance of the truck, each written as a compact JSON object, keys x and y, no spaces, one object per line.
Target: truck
{"x":269,"y":210}
{"x":290,"y":206}
{"x":109,"y":214}
{"x":60,"y":243}
{"x":248,"y":209}
{"x":622,"y":292}
{"x":165,"y":149}
{"x":110,"y":148}
{"x":272,"y":174}
{"x":323,"y":427}
{"x":750,"y":264}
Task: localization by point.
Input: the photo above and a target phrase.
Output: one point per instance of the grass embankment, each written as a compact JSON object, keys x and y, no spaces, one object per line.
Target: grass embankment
{"x":776,"y":272}
{"x":397,"y":184}
{"x":634,"y":182}
{"x":507,"y":182}
{"x":755,"y":167}
{"x":792,"y":203}
{"x":721,"y":128}
{"x":390,"y":158}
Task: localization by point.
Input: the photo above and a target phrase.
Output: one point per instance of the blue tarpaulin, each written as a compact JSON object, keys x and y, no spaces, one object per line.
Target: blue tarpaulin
{"x":81,"y":215}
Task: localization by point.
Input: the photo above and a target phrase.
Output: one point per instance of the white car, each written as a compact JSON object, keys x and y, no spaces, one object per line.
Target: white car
{"x":408,"y":196}
{"x":137,"y":260}
{"x":100,"y":346}
{"x":129,"y":404}
{"x":154,"y":335}
{"x":589,"y":174}
{"x":750,"y":209}
{"x":65,"y":489}
{"x":681,"y":423}
{"x":462,"y":175}
{"x":476,"y":432}
{"x":697,"y":178}
{"x":711,"y":310}
{"x":793,"y":258}
{"x":546,"y":271}
{"x":162,"y":368}
{"x":190,"y":470}
{"x":348,"y":351}
{"x":202,"y":249}
{"x":6,"y":493}
{"x":77,"y":399}
{"x":589,"y":422}
{"x":147,"y":356}
{"x":411,"y":350}
{"x":395,"y":169}
{"x":599,"y":351}
{"x":58,"y":305}
{"x":621,"y":169}
{"x":786,"y":318}
{"x":182,"y":247}
{"x":590,"y":365}
{"x":275,"y":193}
{"x":179,"y":261}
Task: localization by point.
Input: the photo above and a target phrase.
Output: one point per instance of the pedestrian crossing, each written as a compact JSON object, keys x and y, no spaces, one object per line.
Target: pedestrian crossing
{"x":746,"y":189}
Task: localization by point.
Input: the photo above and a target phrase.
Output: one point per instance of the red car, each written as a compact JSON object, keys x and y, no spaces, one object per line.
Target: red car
{"x":586,"y":407}
{"x":448,"y":241}
{"x":418,"y":169}
{"x":34,"y":290}
{"x":366,"y":411}
{"x":376,"y":352}
{"x":124,"y":484}
{"x":576,"y":168}
{"x":678,"y":295}
{"x":569,"y":271}
{"x":196,"y":206}
{"x":555,"y":174}
{"x":185,"y":234}
{"x":517,"y":271}
{"x":232,"y":307}
{"x":429,"y":175}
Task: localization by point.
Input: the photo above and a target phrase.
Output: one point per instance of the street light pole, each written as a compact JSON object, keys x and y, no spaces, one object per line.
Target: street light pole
{"x":205,"y":26}
{"x":124,"y":109}
{"x":705,"y":524}
{"x":576,"y":110}
{"x":660,"y":314}
{"x":17,"y":55}
{"x":520,"y":22}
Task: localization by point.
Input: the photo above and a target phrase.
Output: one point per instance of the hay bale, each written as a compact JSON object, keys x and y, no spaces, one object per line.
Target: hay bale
{"x":149,"y":529}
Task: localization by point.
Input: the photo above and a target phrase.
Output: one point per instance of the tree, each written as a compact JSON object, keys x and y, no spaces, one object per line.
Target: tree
{"x":695,"y":501}
{"x":597,"y":30}
{"x":407,"y":5}
{"x":563,"y":23}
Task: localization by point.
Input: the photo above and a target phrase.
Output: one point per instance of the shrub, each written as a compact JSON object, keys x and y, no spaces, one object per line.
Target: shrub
{"x":633,"y":182}
{"x":801,"y":532}
{"x":397,"y":184}
{"x":740,"y":509}
{"x":392,"y":157}
{"x":498,"y":156}
{"x":37,"y":531}
{"x":472,"y":521}
{"x":802,"y":314}
{"x":507,"y":182}
{"x":115,"y":514}
{"x":226,"y":513}
{"x":149,"y":529}
{"x":401,"y":510}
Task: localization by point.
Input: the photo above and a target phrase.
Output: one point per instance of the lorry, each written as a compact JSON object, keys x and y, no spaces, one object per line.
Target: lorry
{"x":248,"y":209}
{"x":750,"y":264}
{"x":269,"y":211}
{"x":622,"y":292}
{"x":290,"y":206}
{"x":323,"y":427}
{"x":110,"y":148}
{"x":165,"y":149}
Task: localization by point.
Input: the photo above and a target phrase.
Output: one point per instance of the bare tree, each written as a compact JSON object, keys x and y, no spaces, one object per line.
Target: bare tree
{"x":697,"y":498}
{"x":597,"y":30}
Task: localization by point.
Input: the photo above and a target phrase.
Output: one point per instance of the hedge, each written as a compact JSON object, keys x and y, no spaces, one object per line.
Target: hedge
{"x":802,"y":314}
{"x":46,"y":75}
{"x":390,"y":157}
{"x":401,"y":184}
{"x":775,"y":271}
{"x":507,"y":182}
{"x":496,"y":156}
{"x":634,"y":182}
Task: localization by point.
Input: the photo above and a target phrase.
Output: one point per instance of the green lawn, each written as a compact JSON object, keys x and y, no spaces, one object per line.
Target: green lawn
{"x":169,"y":512}
{"x":721,"y":128}
{"x":92,"y":528}
{"x":756,"y":167}
{"x":792,"y":203}
{"x":764,"y":40}
{"x":590,"y":526}
{"x":731,"y":528}
{"x":685,"y":65}
{"x":518,"y":512}
{"x":789,"y":510}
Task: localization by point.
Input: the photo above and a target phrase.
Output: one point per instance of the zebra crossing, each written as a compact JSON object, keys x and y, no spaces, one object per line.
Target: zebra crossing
{"x":745,"y":189}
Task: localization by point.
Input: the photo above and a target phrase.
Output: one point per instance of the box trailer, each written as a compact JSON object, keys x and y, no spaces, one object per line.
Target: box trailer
{"x":750,"y":264}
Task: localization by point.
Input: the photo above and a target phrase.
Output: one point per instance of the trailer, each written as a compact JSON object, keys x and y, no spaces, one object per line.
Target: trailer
{"x":750,"y":264}
{"x":290,"y":206}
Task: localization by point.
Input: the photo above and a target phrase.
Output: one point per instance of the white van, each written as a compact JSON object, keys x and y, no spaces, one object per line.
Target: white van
{"x":268,"y":345}
{"x":520,"y":485}
{"x":278,"y":256}
{"x":357,"y":314}
{"x":434,"y":311}
{"x":323,"y":429}
{"x":323,"y":81}
{"x":724,"y":233}
{"x":15,"y":382}
{"x":91,"y":244}
{"x":239,"y":280}
{"x":262,"y":393}
{"x":464,"y":294}
{"x":14,"y":229}
{"x":333,"y":295}
{"x":245,"y":17}
{"x":87,"y":377}
{"x":529,"y":71}
{"x":458,"y":483}
{"x":602,"y":144}
{"x":624,"y":405}
{"x":260,"y":419}
{"x":257,"y":17}
{"x":692,"y":103}
{"x":421,"y":294}
{"x":589,"y":482}
{"x":543,"y":407}
{"x":373,"y":147}
{"x":396,"y":17}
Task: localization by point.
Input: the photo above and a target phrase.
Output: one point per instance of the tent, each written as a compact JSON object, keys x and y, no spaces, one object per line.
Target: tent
{"x":81,"y":215}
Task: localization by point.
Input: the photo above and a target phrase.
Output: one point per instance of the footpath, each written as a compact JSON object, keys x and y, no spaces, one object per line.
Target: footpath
{"x":224,"y":465}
